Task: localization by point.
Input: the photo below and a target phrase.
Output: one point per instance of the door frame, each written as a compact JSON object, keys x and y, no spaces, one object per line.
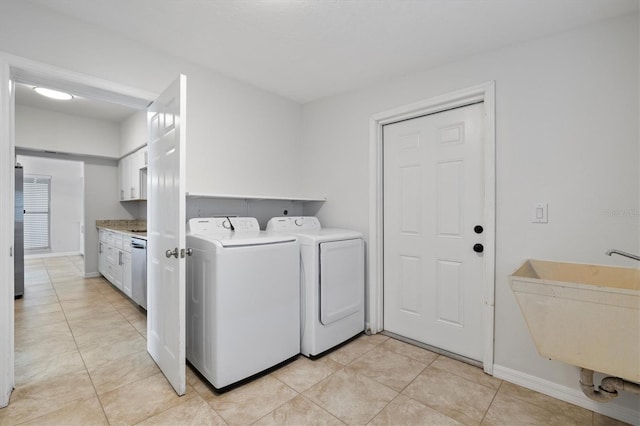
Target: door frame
{"x":7,"y":199}
{"x":22,"y":69}
{"x":484,"y":92}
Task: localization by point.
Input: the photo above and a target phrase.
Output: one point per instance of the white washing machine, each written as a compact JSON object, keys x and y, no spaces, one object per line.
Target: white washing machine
{"x":332,"y":282}
{"x":243,"y":298}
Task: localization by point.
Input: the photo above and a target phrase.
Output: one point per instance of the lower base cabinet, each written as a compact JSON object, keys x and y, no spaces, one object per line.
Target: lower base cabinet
{"x":114,"y":259}
{"x":126,"y":273}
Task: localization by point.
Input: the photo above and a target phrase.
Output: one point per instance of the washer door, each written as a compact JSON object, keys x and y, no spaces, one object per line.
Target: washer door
{"x":341,"y":279}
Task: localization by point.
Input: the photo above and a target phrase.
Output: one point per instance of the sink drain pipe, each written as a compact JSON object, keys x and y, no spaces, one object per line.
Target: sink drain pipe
{"x":608,"y":389}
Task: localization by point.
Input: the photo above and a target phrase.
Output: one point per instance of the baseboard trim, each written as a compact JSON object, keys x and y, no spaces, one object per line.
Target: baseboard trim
{"x":567,"y":394}
{"x":41,"y":255}
{"x":92,"y":275}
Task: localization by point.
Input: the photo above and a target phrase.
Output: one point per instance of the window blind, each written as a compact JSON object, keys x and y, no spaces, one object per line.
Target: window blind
{"x":37,"y":197}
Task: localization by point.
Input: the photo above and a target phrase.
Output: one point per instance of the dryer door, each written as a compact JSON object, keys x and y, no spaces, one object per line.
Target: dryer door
{"x":341,"y":279}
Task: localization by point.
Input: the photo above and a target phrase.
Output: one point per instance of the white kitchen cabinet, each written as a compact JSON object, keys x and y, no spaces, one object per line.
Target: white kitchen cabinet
{"x":125,"y":178}
{"x":102,"y":252}
{"x":132,"y":186}
{"x":126,"y":274}
{"x":126,"y":266}
{"x":111,"y":254}
{"x":117,"y":270}
{"x":115,"y":259}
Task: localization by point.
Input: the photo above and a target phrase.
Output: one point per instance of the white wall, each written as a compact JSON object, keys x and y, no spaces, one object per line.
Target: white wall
{"x":241,"y":139}
{"x":101,"y":178}
{"x":133,"y":133}
{"x":567,"y":134}
{"x":87,"y":139}
{"x":67,"y":199}
{"x":48,"y":130}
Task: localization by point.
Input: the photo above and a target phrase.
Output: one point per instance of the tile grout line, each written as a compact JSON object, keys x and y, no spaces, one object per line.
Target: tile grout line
{"x":115,"y":307}
{"x":491,"y":403}
{"x":399,"y":393}
{"x":207,"y":402}
{"x":97,"y":396}
{"x":303,"y":396}
{"x":344,"y":366}
{"x":407,"y":385}
{"x":322,"y":408}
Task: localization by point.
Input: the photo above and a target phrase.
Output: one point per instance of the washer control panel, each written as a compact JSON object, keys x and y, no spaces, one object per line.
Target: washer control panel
{"x":293,"y":223}
{"x":217,"y":225}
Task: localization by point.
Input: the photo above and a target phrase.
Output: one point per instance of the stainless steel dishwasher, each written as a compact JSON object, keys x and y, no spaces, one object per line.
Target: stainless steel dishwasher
{"x":139,"y":271}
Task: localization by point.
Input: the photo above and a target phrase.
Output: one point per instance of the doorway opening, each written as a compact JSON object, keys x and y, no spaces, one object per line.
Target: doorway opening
{"x":53,"y":197}
{"x":21,"y":73}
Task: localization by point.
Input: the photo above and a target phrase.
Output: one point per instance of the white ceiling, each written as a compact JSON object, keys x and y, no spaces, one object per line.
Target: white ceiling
{"x":309,"y":49}
{"x":77,"y":106}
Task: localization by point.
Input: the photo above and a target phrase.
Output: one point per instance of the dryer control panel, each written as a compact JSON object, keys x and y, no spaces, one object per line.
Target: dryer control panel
{"x":293,"y":223}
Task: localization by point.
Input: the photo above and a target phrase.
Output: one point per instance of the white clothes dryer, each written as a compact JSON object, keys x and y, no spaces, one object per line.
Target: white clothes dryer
{"x":331,"y":282}
{"x":243,"y":299}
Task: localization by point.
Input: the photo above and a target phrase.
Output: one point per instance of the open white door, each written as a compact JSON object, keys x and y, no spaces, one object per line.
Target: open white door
{"x":166,"y":121}
{"x":7,"y":163}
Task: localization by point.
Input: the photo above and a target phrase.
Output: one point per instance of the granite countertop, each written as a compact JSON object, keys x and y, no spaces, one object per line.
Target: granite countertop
{"x":135,"y":228}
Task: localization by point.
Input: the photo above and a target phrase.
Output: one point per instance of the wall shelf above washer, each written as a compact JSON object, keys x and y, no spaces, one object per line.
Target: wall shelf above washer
{"x":255,"y":197}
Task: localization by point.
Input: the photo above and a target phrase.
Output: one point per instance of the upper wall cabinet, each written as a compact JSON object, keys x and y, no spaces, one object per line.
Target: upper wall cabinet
{"x":133,"y":176}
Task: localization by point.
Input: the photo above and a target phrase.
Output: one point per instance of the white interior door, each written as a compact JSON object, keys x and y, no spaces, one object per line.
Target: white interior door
{"x":7,"y":170}
{"x":166,"y":119}
{"x":433,"y":205}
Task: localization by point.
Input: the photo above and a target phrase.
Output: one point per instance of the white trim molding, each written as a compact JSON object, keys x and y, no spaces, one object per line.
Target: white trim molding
{"x":92,"y":275}
{"x":481,"y":93}
{"x":567,"y":394}
{"x":44,"y":255}
{"x":7,"y":188}
{"x":24,"y":70}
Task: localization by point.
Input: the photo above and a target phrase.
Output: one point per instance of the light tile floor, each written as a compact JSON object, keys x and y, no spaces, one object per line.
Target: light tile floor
{"x":81,"y":359}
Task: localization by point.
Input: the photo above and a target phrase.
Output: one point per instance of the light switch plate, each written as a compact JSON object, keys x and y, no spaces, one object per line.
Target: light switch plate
{"x":539,"y":213}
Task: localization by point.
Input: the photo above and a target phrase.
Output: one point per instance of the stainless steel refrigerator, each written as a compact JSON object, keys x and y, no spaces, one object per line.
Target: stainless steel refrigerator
{"x":18,"y":243}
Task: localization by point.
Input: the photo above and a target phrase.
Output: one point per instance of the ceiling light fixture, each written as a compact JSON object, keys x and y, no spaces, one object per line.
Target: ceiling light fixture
{"x":53,"y":94}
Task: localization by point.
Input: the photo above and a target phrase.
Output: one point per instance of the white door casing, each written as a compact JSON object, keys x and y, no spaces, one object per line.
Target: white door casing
{"x":7,"y":177}
{"x":433,"y":200}
{"x":481,"y":93}
{"x":166,"y":339}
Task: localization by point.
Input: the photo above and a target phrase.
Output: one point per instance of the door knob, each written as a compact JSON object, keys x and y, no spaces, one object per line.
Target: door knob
{"x":478,"y":248}
{"x":478,"y":229}
{"x":173,"y":252}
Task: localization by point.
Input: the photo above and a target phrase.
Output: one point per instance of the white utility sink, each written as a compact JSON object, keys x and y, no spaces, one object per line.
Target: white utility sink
{"x":584,"y":315}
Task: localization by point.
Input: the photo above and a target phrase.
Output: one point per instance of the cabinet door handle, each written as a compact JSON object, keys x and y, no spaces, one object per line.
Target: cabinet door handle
{"x":100,"y":248}
{"x":119,"y":258}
